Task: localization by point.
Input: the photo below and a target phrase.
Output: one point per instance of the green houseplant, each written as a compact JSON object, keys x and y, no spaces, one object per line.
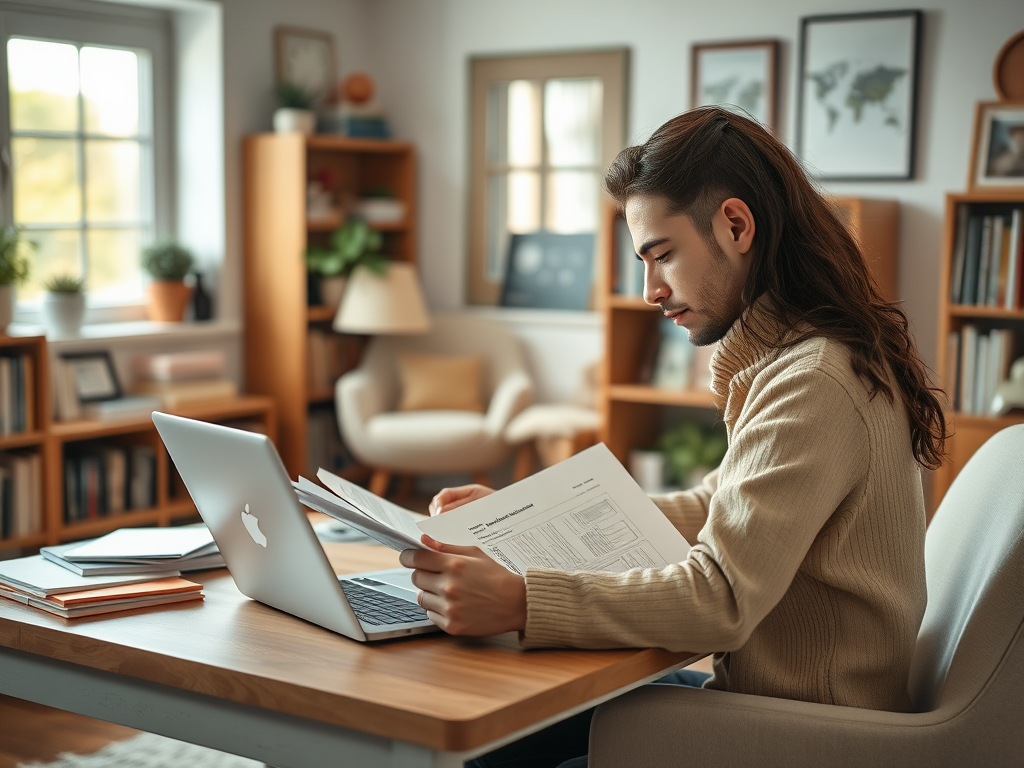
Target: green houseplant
{"x":353,"y":244}
{"x":14,"y":269}
{"x":691,"y":451}
{"x":64,"y":303}
{"x":294,"y":112}
{"x":167,"y":262}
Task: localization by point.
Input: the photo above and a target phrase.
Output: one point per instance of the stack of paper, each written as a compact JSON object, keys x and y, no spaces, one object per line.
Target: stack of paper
{"x":39,"y":583}
{"x":154,"y":551}
{"x":584,"y":514}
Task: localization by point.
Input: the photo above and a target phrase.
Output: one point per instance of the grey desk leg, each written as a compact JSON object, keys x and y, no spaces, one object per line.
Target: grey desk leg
{"x":279,"y":740}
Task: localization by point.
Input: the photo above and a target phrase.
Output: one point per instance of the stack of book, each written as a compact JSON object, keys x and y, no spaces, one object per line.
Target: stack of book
{"x":21,"y":505}
{"x":184,"y":378}
{"x":130,"y":568}
{"x":987,"y":259}
{"x":17,"y":392}
{"x":103,"y":479}
{"x":977,"y":364}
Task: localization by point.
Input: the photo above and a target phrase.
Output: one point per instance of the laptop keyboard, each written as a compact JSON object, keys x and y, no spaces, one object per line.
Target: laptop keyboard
{"x":380,"y":608}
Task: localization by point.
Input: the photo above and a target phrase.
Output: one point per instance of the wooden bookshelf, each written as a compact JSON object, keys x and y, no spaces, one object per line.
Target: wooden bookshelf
{"x":970,"y":431}
{"x":276,"y":168}
{"x":50,"y":439}
{"x":633,"y":412}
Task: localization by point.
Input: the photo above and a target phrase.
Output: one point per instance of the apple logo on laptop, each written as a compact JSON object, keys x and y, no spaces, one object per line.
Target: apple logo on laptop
{"x":252,"y":526}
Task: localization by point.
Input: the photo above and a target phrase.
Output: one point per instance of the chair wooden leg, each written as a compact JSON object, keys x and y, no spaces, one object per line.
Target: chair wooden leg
{"x":379,"y":482}
{"x":525,"y":459}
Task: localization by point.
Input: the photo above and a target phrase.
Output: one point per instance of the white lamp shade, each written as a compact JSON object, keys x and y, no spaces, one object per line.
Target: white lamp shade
{"x":391,"y":303}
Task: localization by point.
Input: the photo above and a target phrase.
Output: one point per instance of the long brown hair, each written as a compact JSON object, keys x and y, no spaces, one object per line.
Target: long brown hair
{"x":805,"y":262}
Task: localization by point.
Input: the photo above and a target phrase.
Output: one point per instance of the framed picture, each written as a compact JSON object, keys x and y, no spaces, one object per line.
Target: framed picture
{"x":546,"y":270}
{"x":857,"y":92}
{"x":305,"y":57}
{"x":94,"y":376}
{"x":742,"y":74}
{"x":997,"y":155}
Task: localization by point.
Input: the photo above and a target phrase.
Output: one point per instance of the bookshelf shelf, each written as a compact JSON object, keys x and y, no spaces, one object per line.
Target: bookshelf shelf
{"x":970,"y":230}
{"x":22,"y":440}
{"x":178,"y":508}
{"x":24,"y":542}
{"x":321,"y":396}
{"x":320,"y":314}
{"x":618,"y":301}
{"x":84,"y":529}
{"x":641,"y":393}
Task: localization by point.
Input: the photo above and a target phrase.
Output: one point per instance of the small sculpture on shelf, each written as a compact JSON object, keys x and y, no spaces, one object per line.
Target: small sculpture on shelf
{"x":352,"y":111}
{"x":1010,"y":394}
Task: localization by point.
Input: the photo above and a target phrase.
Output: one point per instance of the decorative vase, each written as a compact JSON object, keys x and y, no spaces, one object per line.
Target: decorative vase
{"x":287,"y":120}
{"x":167,"y":300}
{"x":6,"y":306}
{"x":63,"y":313}
{"x":331,"y":291}
{"x":202,"y":302}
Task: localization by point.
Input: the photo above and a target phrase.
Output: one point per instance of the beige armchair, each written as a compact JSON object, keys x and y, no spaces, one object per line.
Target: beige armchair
{"x":424,"y":442}
{"x":967,"y":676}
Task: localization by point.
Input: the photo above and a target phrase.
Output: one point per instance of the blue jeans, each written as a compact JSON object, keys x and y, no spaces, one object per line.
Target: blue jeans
{"x":565,"y":744}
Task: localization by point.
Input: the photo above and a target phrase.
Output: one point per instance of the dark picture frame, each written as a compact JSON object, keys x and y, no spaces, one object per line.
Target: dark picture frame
{"x":548,"y":270}
{"x":305,"y":57}
{"x":857,"y":95}
{"x":94,"y":376}
{"x":741,"y":73}
{"x":997,"y":151}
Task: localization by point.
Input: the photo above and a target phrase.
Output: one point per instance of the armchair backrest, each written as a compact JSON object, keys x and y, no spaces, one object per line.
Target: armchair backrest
{"x":974,"y":558}
{"x":455,"y":334}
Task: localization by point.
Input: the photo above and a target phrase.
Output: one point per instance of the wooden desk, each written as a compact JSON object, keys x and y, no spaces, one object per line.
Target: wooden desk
{"x":235,"y":675}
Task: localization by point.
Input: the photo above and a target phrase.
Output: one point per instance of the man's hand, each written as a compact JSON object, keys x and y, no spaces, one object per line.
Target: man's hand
{"x":450,"y":498}
{"x":464,"y":591}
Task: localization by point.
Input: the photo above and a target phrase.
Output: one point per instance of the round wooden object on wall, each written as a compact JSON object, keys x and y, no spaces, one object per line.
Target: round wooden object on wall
{"x":1008,"y":73}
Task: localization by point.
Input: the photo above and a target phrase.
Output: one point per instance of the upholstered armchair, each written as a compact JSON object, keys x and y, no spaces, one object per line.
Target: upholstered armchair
{"x":967,"y":675}
{"x":427,"y":441}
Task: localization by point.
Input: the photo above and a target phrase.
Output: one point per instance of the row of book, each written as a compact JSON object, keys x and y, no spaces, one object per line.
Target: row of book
{"x":670,"y":361}
{"x":977,"y":364}
{"x":104,"y":480}
{"x":17,"y":394}
{"x":128,"y":568}
{"x":330,"y":355}
{"x":21,"y":487}
{"x":987,"y":260}
{"x":177,"y":379}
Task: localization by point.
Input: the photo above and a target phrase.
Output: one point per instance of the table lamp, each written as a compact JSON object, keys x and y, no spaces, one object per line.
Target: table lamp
{"x":375,"y":304}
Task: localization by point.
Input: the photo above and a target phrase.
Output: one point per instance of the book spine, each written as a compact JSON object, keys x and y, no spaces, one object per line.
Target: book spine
{"x":981,"y":376}
{"x":959,"y":254}
{"x":972,"y":258}
{"x":1015,"y":280}
{"x":985,"y":257}
{"x":996,"y":263}
{"x":953,"y":370}
{"x":968,"y":359}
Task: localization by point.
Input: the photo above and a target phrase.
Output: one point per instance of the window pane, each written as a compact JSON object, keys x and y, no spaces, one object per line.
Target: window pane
{"x":513,"y":205}
{"x":114,"y":273}
{"x":57,"y":252}
{"x":513,"y":123}
{"x":112,"y":181}
{"x":110,"y":90}
{"x":43,"y":81}
{"x":571,"y":204}
{"x":572,"y":121}
{"x":45,"y":181}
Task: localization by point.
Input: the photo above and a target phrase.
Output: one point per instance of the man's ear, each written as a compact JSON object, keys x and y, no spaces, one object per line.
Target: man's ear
{"x":734,"y":226}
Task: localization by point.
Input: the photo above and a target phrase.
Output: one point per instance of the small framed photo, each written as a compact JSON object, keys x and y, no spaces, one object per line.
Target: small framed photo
{"x":740,"y":74}
{"x":857,"y":95}
{"x":94,"y":376}
{"x":997,"y":157}
{"x":305,"y":57}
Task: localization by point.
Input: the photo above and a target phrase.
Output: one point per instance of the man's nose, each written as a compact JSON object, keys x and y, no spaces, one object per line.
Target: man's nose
{"x":655,"y":289}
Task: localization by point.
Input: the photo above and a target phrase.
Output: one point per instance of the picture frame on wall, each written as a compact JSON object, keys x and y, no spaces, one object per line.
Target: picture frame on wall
{"x":857,"y":95}
{"x":997,"y":151}
{"x":305,"y":57}
{"x":742,"y":73}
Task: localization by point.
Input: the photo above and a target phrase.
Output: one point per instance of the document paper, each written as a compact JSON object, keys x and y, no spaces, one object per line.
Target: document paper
{"x":583,"y":514}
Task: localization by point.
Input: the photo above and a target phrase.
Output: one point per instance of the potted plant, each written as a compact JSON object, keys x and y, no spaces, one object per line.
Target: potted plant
{"x":353,"y":244}
{"x":167,"y":262}
{"x":294,"y":112}
{"x":64,"y":303}
{"x":14,"y":269}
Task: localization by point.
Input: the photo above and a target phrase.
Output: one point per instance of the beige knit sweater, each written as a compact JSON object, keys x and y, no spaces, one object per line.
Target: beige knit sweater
{"x":806,"y":576}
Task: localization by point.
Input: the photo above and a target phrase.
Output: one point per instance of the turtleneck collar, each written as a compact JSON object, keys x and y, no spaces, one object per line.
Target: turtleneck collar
{"x":741,"y":354}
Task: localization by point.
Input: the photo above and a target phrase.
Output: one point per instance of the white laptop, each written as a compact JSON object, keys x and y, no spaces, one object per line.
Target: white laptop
{"x":244,"y":496}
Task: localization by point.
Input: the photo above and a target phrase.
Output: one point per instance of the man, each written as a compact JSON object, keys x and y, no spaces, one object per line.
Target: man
{"x":806,"y":576}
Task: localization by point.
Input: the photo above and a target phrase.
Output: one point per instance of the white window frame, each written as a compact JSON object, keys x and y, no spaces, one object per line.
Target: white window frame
{"x":610,"y":66}
{"x":86,"y":23}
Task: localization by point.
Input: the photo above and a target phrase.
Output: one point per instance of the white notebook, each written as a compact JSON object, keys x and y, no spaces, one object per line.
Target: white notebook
{"x":133,"y":544}
{"x":38,"y":576}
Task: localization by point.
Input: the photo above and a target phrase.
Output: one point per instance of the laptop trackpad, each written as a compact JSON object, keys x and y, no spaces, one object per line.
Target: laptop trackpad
{"x":394,"y":583}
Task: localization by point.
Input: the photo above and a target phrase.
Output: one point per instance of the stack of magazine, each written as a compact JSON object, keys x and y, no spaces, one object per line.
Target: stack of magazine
{"x":129,"y":568}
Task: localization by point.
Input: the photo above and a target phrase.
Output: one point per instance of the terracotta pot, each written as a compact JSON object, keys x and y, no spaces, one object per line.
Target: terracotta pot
{"x":167,"y":300}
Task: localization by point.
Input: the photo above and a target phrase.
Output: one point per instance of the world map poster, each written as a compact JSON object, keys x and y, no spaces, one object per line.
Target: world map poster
{"x":857,"y":86}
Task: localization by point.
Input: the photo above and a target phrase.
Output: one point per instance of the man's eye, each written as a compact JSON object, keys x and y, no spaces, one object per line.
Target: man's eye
{"x":660,"y":259}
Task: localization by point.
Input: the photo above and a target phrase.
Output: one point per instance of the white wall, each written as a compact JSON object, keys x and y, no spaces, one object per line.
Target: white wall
{"x":420,"y":60}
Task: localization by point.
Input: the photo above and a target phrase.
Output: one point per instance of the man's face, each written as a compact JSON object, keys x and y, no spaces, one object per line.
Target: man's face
{"x":697,"y":286}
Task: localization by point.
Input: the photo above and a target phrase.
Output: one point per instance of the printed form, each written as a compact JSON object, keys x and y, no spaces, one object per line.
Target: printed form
{"x":583,"y":514}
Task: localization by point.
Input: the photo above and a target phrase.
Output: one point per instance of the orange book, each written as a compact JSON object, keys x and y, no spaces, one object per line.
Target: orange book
{"x":169,"y":586}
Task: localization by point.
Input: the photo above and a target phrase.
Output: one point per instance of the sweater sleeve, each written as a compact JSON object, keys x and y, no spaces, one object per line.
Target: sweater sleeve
{"x":799,"y":447}
{"x":688,"y":510}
